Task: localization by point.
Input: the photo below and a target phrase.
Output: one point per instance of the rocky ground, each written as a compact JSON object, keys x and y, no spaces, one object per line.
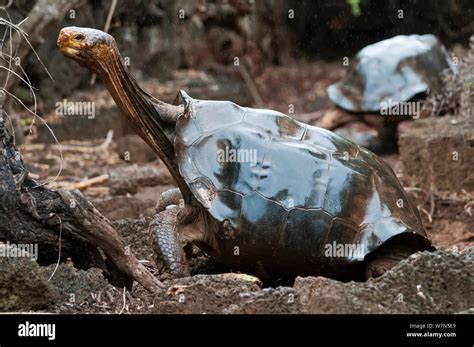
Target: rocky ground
{"x":123,"y":179}
{"x":438,"y":282}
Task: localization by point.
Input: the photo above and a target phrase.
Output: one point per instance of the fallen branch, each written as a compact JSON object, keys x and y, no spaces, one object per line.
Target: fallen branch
{"x":35,"y":214}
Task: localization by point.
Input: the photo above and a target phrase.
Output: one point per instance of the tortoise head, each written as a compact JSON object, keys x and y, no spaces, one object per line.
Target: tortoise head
{"x":89,"y":47}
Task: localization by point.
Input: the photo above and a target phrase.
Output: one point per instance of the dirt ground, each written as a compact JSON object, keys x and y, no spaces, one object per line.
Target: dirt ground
{"x":447,"y":218}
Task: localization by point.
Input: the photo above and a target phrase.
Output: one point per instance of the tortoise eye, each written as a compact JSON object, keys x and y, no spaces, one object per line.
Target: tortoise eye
{"x":79,"y":37}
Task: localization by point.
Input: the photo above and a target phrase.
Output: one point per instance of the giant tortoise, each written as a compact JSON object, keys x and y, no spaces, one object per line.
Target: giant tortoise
{"x":260,"y":192}
{"x":391,"y":72}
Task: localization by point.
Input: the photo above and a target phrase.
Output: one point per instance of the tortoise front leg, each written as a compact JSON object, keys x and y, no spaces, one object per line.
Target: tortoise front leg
{"x":169,"y":197}
{"x":169,"y":253}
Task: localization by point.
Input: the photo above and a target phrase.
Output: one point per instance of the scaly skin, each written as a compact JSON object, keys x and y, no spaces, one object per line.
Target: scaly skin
{"x":169,"y":197}
{"x":166,"y":244}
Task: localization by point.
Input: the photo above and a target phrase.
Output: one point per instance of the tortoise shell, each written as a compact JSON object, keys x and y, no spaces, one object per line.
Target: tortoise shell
{"x":288,"y":191}
{"x":391,"y":71}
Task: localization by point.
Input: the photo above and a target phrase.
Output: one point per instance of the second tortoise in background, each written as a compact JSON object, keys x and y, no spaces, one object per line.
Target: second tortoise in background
{"x":386,"y":83}
{"x":391,"y":71}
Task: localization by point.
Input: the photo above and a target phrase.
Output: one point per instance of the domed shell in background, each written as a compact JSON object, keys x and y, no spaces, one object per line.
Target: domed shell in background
{"x":391,"y":71}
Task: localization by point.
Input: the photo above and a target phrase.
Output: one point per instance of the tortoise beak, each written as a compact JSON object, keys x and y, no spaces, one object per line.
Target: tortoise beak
{"x":63,"y":38}
{"x":66,"y":44}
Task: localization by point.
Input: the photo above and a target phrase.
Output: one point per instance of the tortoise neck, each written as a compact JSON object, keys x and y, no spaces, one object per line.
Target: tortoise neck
{"x":142,"y":110}
{"x":135,"y":104}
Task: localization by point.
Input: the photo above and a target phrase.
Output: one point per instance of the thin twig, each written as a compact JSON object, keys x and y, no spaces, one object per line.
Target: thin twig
{"x":9,"y":57}
{"x":428,"y":215}
{"x":124,"y":300}
{"x":59,"y":248}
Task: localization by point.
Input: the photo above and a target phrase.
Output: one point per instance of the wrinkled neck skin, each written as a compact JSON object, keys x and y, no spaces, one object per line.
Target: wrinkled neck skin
{"x":153,"y":119}
{"x":131,"y":99}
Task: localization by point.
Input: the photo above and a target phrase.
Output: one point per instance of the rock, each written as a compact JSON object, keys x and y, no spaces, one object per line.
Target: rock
{"x":25,"y":286}
{"x":73,"y":285}
{"x":439,"y":153}
{"x":134,"y":150}
{"x":281,"y":300}
{"x":22,"y":287}
{"x":205,"y":294}
{"x":438,"y":282}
